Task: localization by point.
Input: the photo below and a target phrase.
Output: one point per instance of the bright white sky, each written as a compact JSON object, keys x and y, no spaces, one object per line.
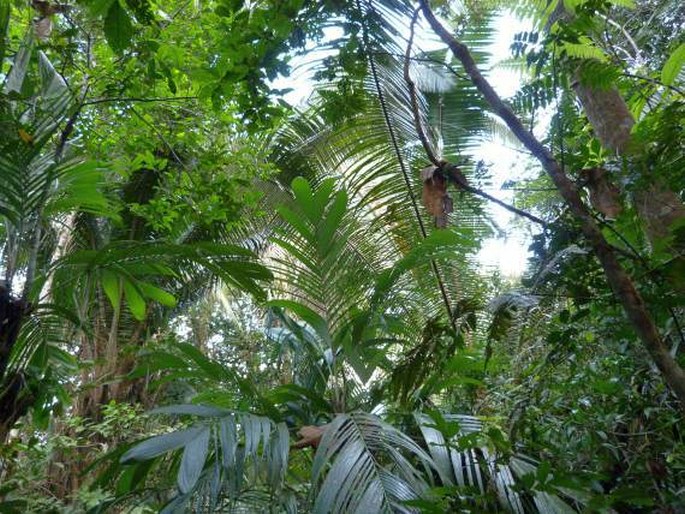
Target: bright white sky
{"x":507,"y":253}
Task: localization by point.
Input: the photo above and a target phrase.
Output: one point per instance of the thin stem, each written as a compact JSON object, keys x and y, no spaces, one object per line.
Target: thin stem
{"x":403,"y":167}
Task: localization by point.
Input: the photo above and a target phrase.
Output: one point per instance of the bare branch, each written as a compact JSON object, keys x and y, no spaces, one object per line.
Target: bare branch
{"x":139,"y":100}
{"x":455,"y":177}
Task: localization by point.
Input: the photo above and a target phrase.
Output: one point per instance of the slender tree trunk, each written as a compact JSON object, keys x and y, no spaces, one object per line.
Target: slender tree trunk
{"x":618,"y":279}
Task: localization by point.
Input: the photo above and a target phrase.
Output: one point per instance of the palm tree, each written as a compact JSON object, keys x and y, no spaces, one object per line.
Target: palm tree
{"x":94,"y":278}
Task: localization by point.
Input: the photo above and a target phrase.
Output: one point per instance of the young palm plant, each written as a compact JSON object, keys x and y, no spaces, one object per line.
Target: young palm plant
{"x":339,"y":337}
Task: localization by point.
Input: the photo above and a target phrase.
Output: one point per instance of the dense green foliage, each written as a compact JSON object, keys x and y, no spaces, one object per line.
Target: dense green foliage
{"x":214,"y":301}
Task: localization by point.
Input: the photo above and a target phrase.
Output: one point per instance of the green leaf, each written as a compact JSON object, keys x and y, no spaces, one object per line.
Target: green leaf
{"x":157,"y":294}
{"x":118,"y":27}
{"x":4,"y":24}
{"x":323,"y":195}
{"x":304,"y":313}
{"x":584,"y":51}
{"x":296,"y":221}
{"x":193,"y":460}
{"x":112,"y":287}
{"x":136,"y":303}
{"x":52,"y":83}
{"x":673,"y":65}
{"x":332,"y":221}
{"x":627,"y":4}
{"x":100,"y":7}
{"x":305,"y":199}
{"x":20,"y":65}
{"x":212,"y":369}
{"x":160,"y":444}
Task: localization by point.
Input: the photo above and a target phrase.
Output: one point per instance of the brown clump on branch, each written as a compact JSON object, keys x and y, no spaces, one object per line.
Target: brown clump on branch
{"x":434,"y":195}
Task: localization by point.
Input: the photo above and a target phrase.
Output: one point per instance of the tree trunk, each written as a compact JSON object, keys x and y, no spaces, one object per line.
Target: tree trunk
{"x":15,"y":396}
{"x":659,"y":207}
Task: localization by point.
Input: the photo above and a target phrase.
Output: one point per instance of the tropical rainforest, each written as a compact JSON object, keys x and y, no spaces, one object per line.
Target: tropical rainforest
{"x":241,"y":256}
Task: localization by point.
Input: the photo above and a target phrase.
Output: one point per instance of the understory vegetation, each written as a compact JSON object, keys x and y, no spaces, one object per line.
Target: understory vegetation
{"x":220,"y":294}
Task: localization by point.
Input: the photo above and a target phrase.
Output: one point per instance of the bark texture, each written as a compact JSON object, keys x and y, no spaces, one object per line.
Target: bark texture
{"x":659,"y":207}
{"x":15,"y":395}
{"x":618,"y":279}
{"x":608,"y":115}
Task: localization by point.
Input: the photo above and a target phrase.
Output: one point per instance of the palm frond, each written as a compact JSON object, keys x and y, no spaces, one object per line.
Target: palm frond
{"x":365,"y":465}
{"x":224,"y":455}
{"x":465,"y":465}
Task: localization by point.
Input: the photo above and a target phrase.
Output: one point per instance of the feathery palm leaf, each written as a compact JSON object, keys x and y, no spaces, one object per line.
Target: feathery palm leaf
{"x":365,"y":465}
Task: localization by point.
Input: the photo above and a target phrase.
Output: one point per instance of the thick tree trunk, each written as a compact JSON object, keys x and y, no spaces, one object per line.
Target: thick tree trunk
{"x":618,"y":279}
{"x":15,"y":396}
{"x":608,"y":115}
{"x":659,"y":207}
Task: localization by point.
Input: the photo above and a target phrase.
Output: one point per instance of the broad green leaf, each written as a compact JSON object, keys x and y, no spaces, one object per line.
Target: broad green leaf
{"x":111,"y":284}
{"x":331,"y":223}
{"x":158,"y":361}
{"x":323,"y":195}
{"x":213,"y":370}
{"x":160,"y":444}
{"x":673,"y":65}
{"x":157,"y":294}
{"x":193,"y":460}
{"x":296,"y":221}
{"x":20,"y":65}
{"x":305,"y":313}
{"x":53,"y":84}
{"x":135,"y":301}
{"x":229,"y":441}
{"x":100,"y":7}
{"x":305,"y":199}
{"x":118,"y":27}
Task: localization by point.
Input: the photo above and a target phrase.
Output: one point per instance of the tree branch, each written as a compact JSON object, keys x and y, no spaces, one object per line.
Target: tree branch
{"x":418,"y":126}
{"x":139,"y":100}
{"x":455,"y":177}
{"x":621,"y":284}
{"x":404,"y":168}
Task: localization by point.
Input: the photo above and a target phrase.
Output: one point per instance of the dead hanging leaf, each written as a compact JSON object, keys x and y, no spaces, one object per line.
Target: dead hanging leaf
{"x":428,"y":172}
{"x":310,"y":435}
{"x":434,"y":195}
{"x":448,"y":204}
{"x":42,"y":27}
{"x":605,"y":197}
{"x":42,"y":24}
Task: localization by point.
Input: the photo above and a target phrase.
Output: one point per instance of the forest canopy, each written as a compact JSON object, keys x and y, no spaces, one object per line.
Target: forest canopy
{"x":214,"y":300}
